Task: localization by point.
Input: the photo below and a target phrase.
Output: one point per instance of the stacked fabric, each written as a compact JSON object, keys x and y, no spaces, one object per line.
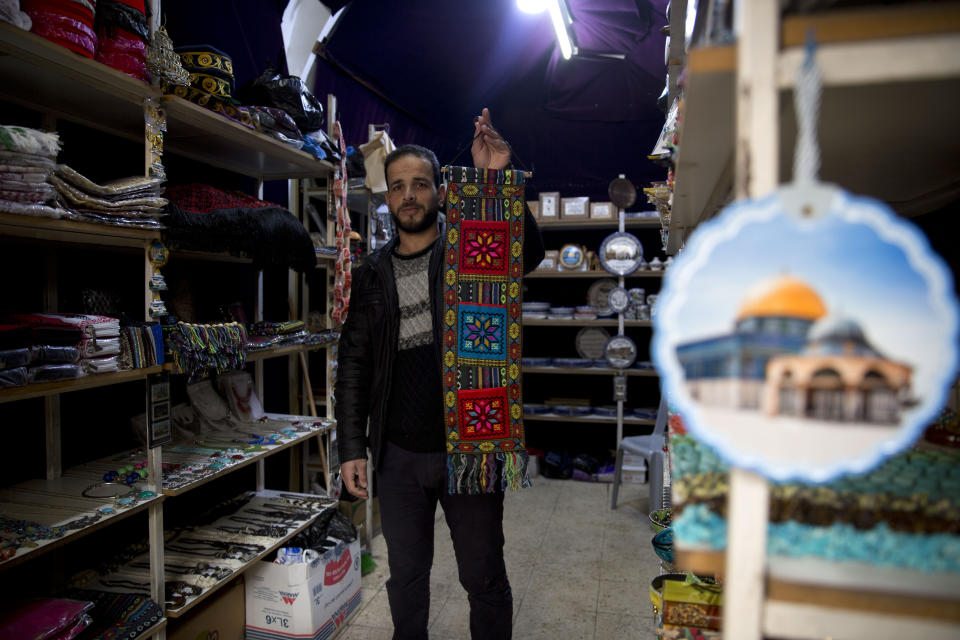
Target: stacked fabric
{"x":122,"y":36}
{"x":204,"y":218}
{"x":278,"y":124}
{"x":141,"y":345}
{"x":10,"y":12}
{"x":211,"y":82}
{"x":267,"y":335}
{"x":27,"y":157}
{"x":67,"y":346}
{"x":68,"y":23}
{"x":129,"y":202}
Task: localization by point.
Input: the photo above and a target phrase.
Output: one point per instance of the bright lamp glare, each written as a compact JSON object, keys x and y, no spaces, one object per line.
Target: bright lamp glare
{"x":532,"y":6}
{"x":563,"y":38}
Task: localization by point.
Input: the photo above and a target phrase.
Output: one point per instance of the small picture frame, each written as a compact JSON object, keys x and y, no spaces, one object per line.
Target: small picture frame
{"x":578,"y":207}
{"x":550,"y":259}
{"x":534,"y":208}
{"x":550,"y":205}
{"x":601,"y":210}
{"x":159,"y":429}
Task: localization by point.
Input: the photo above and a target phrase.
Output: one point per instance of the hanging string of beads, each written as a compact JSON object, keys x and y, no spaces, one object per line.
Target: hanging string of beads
{"x":200,"y":349}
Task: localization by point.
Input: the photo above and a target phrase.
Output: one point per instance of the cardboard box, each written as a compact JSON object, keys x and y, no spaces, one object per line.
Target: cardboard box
{"x":303,"y":600}
{"x":634,"y":462}
{"x":219,"y":616}
{"x":356,"y":511}
{"x":534,"y":208}
{"x":633,"y":477}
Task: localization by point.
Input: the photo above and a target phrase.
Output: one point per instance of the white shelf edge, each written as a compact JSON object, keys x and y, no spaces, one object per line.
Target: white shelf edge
{"x":932,"y":57}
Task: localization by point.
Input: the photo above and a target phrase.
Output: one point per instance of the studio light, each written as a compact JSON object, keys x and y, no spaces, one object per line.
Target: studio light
{"x":532,"y":6}
{"x":560,"y":17}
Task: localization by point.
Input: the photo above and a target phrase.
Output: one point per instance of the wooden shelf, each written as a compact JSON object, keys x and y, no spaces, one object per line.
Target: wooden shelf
{"x":202,"y":135}
{"x":587,"y":223}
{"x":590,"y":274}
{"x":44,"y":76}
{"x":73,"y":231}
{"x":553,"y":417}
{"x":41,"y":75}
{"x":592,"y":371}
{"x":55,"y":502}
{"x":152,"y":631}
{"x":257,"y":457}
{"x":77,"y":384}
{"x":599,"y":322}
{"x":884,"y":71}
{"x":290,"y":350}
{"x":845,"y":585}
{"x":209,"y":591}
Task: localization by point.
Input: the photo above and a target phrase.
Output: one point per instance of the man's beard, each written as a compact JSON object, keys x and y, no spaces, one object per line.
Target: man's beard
{"x":428,"y":220}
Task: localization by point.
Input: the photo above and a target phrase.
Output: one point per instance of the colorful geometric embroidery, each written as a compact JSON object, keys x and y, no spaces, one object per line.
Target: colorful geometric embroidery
{"x":484,"y":248}
{"x":481,"y":333}
{"x":483,"y":414}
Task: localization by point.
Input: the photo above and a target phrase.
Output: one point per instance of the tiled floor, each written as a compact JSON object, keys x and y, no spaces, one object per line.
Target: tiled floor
{"x":578,"y":570}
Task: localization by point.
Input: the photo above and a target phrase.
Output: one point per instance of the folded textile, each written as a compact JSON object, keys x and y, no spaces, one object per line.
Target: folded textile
{"x":54,"y":372}
{"x":12,"y":358}
{"x":30,"y":209}
{"x":38,"y":194}
{"x":29,"y":141}
{"x":270,"y":236}
{"x":44,"y":618}
{"x":100,"y":365}
{"x":121,"y":15}
{"x":51,"y":354}
{"x":275,"y":328}
{"x":15,"y":377}
{"x":90,"y":326}
{"x":118,"y":616}
{"x":115,"y":188}
{"x":202,"y":198}
{"x":99,"y":347}
{"x":23,"y":159}
{"x":64,"y":30}
{"x":10,"y":12}
{"x":79,"y":198}
{"x":14,"y":335}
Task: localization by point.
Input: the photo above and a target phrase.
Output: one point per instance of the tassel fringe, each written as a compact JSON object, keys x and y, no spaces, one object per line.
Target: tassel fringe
{"x":476,"y":473}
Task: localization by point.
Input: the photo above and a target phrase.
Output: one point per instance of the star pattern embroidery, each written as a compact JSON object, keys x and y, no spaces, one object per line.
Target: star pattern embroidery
{"x":482,"y":333}
{"x":484,"y":417}
{"x":485,"y":249}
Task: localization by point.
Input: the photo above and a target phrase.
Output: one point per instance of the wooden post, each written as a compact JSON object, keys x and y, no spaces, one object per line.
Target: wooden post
{"x":757,"y":172}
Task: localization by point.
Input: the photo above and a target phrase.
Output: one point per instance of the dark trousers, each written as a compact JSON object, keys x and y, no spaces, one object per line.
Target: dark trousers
{"x":410,"y":485}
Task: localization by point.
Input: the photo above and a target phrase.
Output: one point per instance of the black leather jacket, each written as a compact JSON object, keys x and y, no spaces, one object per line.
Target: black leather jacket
{"x":368,"y":342}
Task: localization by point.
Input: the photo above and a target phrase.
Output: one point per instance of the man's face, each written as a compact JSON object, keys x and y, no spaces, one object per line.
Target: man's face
{"x":412,"y":197}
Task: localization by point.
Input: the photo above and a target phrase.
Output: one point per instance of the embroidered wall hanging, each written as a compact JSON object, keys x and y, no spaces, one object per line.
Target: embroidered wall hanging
{"x":481,"y":344}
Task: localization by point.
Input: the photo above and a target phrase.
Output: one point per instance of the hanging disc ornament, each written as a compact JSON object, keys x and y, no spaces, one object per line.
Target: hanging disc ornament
{"x":618,"y":299}
{"x":620,"y":253}
{"x":808,"y":334}
{"x":620,"y":352}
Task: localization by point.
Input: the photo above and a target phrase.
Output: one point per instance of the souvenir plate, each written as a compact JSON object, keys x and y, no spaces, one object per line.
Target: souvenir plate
{"x":590,"y":342}
{"x":620,"y":352}
{"x":619,"y":300}
{"x":807,"y":335}
{"x":597,"y":295}
{"x":571,"y":256}
{"x":620,"y":253}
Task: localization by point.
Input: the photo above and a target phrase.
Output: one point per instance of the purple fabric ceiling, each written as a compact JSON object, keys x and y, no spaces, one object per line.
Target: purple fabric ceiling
{"x":427,"y":67}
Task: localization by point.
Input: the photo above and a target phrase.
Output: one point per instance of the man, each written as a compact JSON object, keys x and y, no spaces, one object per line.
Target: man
{"x":390,"y":371}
